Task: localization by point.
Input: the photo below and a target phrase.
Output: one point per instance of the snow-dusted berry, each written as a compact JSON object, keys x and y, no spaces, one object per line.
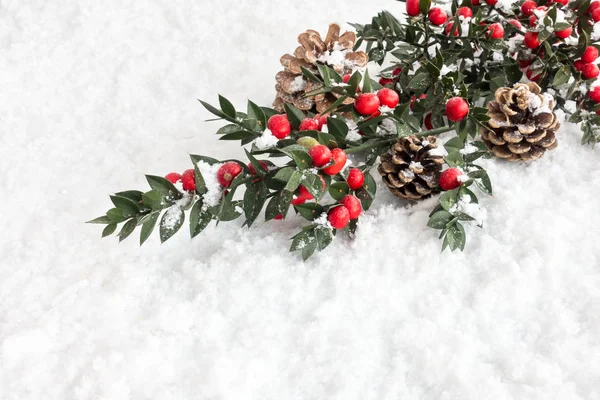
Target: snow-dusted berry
{"x":280,"y":126}
{"x":188,"y":180}
{"x":437,"y":16}
{"x":449,"y":179}
{"x":457,"y":109}
{"x":530,"y":75}
{"x":596,"y":14}
{"x":388,"y":97}
{"x":339,"y":158}
{"x":356,"y":178}
{"x":309,"y":124}
{"x":531,"y":40}
{"x":533,"y":17}
{"x":320,"y":155}
{"x":590,"y":71}
{"x":298,"y":201}
{"x":173,"y":177}
{"x":464,"y":12}
{"x":339,"y":217}
{"x":589,"y":55}
{"x":367,"y":104}
{"x":594,"y":94}
{"x":352,"y":203}
{"x":228,"y":172}
{"x":412,"y":8}
{"x":594,"y":5}
{"x":515,"y":23}
{"x":527,"y":7}
{"x":322,"y":120}
{"x":496,"y":31}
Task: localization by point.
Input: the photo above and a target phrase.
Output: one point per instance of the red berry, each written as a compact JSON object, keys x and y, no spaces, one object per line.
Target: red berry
{"x":448,"y":28}
{"x":457,"y":109}
{"x":356,"y":178}
{"x":525,"y":63}
{"x":475,"y":2}
{"x":596,"y":14}
{"x":228,"y":172}
{"x":353,"y":205}
{"x":515,"y":23}
{"x":298,"y":201}
{"x":464,"y":12}
{"x":594,"y":94}
{"x":527,"y":7}
{"x":320,"y":154}
{"x":593,"y":6}
{"x":412,"y":8}
{"x":253,"y":170}
{"x":309,"y":124}
{"x":437,"y":16}
{"x":279,"y":126}
{"x":385,"y":81}
{"x":339,"y":217}
{"x":590,"y":71}
{"x":346,"y":78}
{"x":531,"y":40}
{"x":279,"y":217}
{"x":322,"y":120}
{"x":339,"y":157}
{"x":496,"y":31}
{"x":578,"y":64}
{"x":565,"y":33}
{"x":304,"y":194}
{"x":449,"y":179}
{"x":490,"y":2}
{"x":534,"y":78}
{"x":173,"y":177}
{"x":367,"y":103}
{"x":563,"y":2}
{"x":188,"y":180}
{"x":589,"y":55}
{"x":397,"y":71}
{"x":427,"y":122}
{"x":388,"y":98}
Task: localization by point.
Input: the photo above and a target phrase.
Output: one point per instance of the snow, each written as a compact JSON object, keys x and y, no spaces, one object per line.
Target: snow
{"x":99,"y":93}
{"x":299,"y":84}
{"x":266,"y":141}
{"x":214,"y":190}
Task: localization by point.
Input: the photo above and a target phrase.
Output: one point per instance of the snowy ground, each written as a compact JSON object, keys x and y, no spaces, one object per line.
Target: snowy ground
{"x":96,"y":93}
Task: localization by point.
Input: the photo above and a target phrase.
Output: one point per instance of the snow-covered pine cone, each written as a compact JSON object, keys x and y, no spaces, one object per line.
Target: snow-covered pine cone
{"x":523,"y":125}
{"x":411,"y":169}
{"x":335,"y":51}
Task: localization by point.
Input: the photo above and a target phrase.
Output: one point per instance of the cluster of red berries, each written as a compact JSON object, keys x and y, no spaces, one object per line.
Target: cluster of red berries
{"x":348,"y":209}
{"x":386,"y":81}
{"x":369,"y":103}
{"x":586,"y":65}
{"x":188,"y":179}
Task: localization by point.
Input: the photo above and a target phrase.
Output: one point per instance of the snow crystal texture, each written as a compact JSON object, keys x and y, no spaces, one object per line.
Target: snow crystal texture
{"x":96,"y":93}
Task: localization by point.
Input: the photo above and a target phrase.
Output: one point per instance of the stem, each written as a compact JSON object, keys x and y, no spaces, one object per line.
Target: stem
{"x":433,"y":132}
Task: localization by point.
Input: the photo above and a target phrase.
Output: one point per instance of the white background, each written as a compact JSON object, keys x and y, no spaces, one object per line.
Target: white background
{"x":93,"y":94}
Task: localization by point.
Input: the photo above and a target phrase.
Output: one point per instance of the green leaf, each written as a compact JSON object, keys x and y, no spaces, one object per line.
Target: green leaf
{"x":456,"y":237}
{"x":148,"y":226}
{"x":338,"y":190}
{"x":213,"y":110}
{"x":238,"y":135}
{"x":324,"y":237}
{"x":127,"y":229}
{"x":199,"y":179}
{"x":368,"y":83}
{"x":133,"y":195}
{"x":258,"y":168}
{"x":309,"y":75}
{"x":309,"y":249}
{"x":440,"y":219}
{"x":228,"y":129}
{"x":199,"y":219}
{"x":420,"y":81}
{"x":115,"y":215}
{"x":128,"y":207}
{"x":449,"y":199}
{"x":254,"y":200}
{"x":163,"y":186}
{"x":226,"y":211}
{"x":209,"y":160}
{"x":170,"y":223}
{"x":337,"y":128}
{"x":294,"y":182}
{"x":285,"y":174}
{"x":257,"y":113}
{"x":299,"y":154}
{"x":227,"y":108}
{"x":310,"y":211}
{"x":104,"y":220}
{"x":301,"y":239}
{"x":153,"y":200}
{"x":314,"y":184}
{"x":272,"y":209}
{"x":562,"y":76}
{"x":109,"y":230}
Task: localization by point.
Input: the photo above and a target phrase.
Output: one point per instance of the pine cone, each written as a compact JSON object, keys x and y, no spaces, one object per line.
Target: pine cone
{"x":410,"y":170}
{"x":335,"y":51}
{"x":523,"y":125}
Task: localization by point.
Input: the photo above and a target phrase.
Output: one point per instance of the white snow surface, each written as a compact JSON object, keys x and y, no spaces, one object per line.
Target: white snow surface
{"x":97,"y":93}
